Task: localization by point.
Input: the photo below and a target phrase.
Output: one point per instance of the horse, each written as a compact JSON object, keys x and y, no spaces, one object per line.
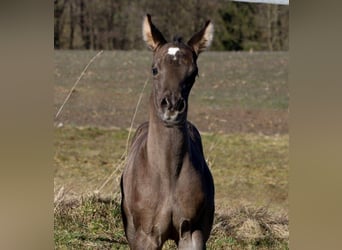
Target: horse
{"x":167,"y":190}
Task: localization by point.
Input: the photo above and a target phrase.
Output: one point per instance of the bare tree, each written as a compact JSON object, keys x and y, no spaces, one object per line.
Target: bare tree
{"x":72,"y":18}
{"x":273,"y":24}
{"x":115,"y":24}
{"x":84,"y":25}
{"x":59,"y":6}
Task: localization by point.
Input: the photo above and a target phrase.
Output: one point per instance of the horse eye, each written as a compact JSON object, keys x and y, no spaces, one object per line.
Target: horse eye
{"x":154,"y":71}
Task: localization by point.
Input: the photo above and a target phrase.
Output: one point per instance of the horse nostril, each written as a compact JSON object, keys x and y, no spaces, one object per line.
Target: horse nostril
{"x":181,"y":105}
{"x":173,"y":105}
{"x":164,"y":103}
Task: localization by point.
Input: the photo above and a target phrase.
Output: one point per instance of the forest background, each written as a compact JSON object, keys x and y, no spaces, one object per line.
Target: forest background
{"x":116,"y":24}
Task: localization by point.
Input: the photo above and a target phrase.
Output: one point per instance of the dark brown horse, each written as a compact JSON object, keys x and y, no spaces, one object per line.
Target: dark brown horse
{"x":167,"y":188}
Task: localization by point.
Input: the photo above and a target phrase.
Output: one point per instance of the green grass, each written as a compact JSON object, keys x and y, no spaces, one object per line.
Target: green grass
{"x":84,"y":158}
{"x":249,"y":167}
{"x":248,"y":80}
{"x":90,"y":223}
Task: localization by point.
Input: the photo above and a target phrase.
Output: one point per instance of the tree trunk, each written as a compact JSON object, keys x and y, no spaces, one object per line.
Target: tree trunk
{"x":72,"y":25}
{"x":269,"y":27}
{"x":58,"y":12}
{"x":84,"y":25}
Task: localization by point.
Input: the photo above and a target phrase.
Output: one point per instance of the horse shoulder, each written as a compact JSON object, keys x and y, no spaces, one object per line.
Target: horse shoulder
{"x":198,"y":158}
{"x":136,"y":158}
{"x":195,"y":137}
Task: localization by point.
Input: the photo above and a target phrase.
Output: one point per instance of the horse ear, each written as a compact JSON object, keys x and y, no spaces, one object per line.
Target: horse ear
{"x":151,"y":35}
{"x":202,"y":39}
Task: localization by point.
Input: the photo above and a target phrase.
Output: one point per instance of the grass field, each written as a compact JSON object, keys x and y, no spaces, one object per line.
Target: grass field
{"x":239,"y":103}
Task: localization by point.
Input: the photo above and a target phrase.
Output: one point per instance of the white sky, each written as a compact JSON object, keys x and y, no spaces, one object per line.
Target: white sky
{"x":284,"y":2}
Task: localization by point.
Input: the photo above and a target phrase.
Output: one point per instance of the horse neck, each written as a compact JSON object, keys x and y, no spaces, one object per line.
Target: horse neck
{"x":166,"y":146}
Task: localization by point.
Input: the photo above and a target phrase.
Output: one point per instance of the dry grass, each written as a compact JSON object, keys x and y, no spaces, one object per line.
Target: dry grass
{"x":253,"y":224}
{"x":94,"y":222}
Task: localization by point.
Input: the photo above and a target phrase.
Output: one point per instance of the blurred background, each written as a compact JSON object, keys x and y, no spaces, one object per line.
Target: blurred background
{"x":116,"y":24}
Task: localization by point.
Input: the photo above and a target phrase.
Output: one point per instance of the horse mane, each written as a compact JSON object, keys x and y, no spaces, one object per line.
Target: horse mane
{"x":177,"y":39}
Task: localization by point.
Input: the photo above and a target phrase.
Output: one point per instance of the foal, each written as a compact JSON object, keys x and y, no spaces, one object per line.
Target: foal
{"x":167,"y":188}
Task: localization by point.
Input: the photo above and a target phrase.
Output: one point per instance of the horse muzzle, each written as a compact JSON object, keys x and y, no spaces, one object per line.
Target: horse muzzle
{"x":173,"y":111}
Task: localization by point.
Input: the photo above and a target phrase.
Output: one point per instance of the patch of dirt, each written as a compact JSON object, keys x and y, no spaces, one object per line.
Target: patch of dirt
{"x":238,"y":120}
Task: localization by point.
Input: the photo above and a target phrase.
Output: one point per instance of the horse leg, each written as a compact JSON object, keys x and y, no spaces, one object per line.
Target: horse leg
{"x":144,"y":241}
{"x":185,"y":241}
{"x":190,"y":240}
{"x":193,"y":241}
{"x":197,"y":240}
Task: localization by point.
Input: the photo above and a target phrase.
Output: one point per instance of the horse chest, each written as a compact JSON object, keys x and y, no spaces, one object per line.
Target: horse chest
{"x":161,"y":202}
{"x":188,"y":195}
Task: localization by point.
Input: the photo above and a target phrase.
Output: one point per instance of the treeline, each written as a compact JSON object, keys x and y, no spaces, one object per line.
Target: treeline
{"x":116,"y":24}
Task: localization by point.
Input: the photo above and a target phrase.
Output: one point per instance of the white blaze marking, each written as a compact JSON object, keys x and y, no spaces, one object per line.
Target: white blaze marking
{"x":172,"y":51}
